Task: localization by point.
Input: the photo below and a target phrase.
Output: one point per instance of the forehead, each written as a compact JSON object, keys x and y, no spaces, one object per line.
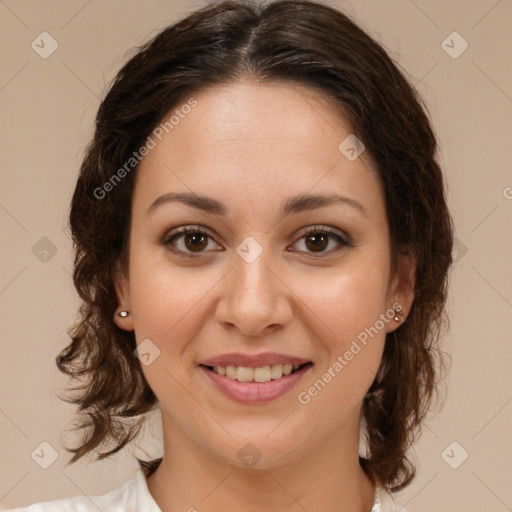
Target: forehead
{"x":246,"y":137}
{"x":245,"y":116}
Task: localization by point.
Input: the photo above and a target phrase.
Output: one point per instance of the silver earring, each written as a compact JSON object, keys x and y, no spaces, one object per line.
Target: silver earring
{"x":398,"y":311}
{"x":123,"y":314}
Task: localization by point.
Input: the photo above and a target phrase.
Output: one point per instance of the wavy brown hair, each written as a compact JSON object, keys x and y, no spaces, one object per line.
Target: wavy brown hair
{"x":297,"y":42}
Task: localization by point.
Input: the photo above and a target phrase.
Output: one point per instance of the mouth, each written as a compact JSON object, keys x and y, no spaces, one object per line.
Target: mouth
{"x":254,"y":385}
{"x":259,"y":374}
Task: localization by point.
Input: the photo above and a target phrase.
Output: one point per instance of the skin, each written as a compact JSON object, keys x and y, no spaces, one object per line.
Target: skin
{"x":251,"y":147}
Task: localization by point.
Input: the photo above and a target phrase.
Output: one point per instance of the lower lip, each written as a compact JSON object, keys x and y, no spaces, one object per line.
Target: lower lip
{"x":255,"y":392}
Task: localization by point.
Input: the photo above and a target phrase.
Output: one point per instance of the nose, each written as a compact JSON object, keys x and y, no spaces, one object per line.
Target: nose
{"x":255,"y":299}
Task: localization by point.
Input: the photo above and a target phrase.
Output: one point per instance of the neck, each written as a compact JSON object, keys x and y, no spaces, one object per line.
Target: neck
{"x":327,"y":478}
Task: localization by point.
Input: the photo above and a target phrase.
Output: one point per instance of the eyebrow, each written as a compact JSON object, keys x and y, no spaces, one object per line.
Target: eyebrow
{"x":296,"y":204}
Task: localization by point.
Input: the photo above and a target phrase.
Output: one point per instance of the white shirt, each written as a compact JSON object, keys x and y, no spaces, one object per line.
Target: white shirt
{"x":134,"y":496}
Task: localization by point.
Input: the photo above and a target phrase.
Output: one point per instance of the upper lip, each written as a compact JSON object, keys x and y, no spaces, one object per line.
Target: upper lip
{"x":253,"y":361}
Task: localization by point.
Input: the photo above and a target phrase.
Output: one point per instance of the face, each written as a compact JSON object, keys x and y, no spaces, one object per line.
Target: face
{"x":260,"y":271}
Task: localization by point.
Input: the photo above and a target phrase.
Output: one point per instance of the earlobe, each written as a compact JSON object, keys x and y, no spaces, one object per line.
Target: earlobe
{"x":402,"y":293}
{"x":122,"y":317}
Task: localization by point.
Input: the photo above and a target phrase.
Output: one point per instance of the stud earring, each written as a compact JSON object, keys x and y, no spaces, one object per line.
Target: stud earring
{"x":398,"y":311}
{"x":123,"y":314}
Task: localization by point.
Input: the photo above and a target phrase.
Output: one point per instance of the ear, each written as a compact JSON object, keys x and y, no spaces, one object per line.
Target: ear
{"x":402,"y":285}
{"x":122,"y":286}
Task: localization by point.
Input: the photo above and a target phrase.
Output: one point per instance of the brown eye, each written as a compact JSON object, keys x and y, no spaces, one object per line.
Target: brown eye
{"x":317,"y":242}
{"x":319,"y":239}
{"x":189,"y":241}
{"x":196,"y":241}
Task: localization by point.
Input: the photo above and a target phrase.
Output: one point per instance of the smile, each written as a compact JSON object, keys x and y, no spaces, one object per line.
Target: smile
{"x":255,"y":385}
{"x":259,"y":374}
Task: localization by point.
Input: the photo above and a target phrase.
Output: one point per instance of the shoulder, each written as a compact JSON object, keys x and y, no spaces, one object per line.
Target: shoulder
{"x":133,"y":496}
{"x":384,"y":502}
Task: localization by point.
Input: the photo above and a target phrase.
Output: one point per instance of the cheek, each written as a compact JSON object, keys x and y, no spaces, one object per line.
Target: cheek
{"x":169,"y":302}
{"x":350,"y":304}
{"x":169,"y":308}
{"x":347,"y":299}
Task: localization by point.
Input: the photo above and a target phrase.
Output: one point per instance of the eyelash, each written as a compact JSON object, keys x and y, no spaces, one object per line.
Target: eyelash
{"x":199,"y":230}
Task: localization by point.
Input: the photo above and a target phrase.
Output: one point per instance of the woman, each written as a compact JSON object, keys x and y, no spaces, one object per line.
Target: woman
{"x":262,"y":244}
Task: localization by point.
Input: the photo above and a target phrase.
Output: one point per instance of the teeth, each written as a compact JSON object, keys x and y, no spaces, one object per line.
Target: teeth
{"x":260,"y":374}
{"x":276,"y":371}
{"x":230,"y":371}
{"x":244,"y":374}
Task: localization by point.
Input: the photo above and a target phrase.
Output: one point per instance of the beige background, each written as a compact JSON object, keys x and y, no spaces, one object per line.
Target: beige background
{"x":47,"y":109}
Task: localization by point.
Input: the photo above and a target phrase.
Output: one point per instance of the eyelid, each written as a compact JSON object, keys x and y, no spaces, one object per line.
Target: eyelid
{"x":184,"y":230}
{"x":189,"y":228}
{"x":344,"y":240}
{"x":318,"y":228}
